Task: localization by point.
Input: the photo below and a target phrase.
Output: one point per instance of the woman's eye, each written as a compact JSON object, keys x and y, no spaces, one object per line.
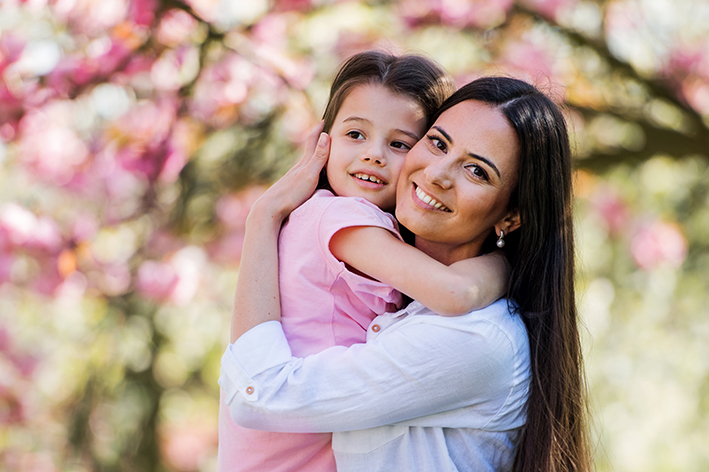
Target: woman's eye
{"x":437,"y":143}
{"x":355,"y":135}
{"x":400,"y":145}
{"x":477,"y":171}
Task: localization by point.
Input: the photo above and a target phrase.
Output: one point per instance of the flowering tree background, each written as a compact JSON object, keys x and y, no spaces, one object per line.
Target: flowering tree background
{"x":135,"y":134}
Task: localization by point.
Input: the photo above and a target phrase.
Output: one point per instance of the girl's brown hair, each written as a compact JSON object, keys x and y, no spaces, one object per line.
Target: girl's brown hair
{"x":411,"y":75}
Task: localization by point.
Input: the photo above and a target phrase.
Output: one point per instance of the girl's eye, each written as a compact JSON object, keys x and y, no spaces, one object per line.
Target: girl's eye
{"x":355,"y":135}
{"x":400,"y":145}
{"x":437,"y":143}
{"x":477,"y":171}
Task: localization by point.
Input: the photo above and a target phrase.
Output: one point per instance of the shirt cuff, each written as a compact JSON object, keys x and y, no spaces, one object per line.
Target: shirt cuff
{"x":261,"y":348}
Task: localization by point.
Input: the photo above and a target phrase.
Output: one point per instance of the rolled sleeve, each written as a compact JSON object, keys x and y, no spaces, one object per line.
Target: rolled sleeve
{"x":406,"y":372}
{"x":260,"y":349}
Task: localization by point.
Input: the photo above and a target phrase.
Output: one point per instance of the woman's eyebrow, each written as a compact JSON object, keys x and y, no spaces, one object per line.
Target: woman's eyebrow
{"x":486,"y":161}
{"x":474,"y":156}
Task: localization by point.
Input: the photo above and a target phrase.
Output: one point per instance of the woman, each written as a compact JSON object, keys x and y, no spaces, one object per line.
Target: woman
{"x":496,"y":389}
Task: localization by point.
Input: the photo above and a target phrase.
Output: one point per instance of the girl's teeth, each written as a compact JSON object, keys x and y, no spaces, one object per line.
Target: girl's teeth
{"x":369,"y":177}
{"x":430,"y":201}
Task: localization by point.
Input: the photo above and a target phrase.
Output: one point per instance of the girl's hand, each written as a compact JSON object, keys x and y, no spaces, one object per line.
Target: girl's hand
{"x":257,"y":299}
{"x":298,"y":184}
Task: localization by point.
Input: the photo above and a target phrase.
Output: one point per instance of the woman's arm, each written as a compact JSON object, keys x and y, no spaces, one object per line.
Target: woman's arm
{"x":447,"y":290}
{"x":470,"y":371}
{"x":257,"y":300}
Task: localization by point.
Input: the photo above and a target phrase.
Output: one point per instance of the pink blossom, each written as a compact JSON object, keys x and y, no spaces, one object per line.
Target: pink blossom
{"x":228,"y":248}
{"x":12,"y":406}
{"x":175,"y":160}
{"x":21,"y":460}
{"x":272,"y":29}
{"x":6,"y":261}
{"x":163,"y":242}
{"x":142,"y":12}
{"x":221,"y":88}
{"x":551,"y":8}
{"x":612,"y":209}
{"x":456,"y":13}
{"x":113,"y":279}
{"x":290,"y":5}
{"x":17,"y":224}
{"x":5,"y":340}
{"x":49,"y":146}
{"x":233,"y":209}
{"x":622,"y":17}
{"x":11,"y":47}
{"x":187,"y":446}
{"x":148,"y":123}
{"x":49,"y":278}
{"x":84,"y":228}
{"x":658,"y":243}
{"x":529,"y":59}
{"x":696,"y":92}
{"x":175,"y":27}
{"x":46,"y":237}
{"x":112,"y":59}
{"x":175,"y":280}
{"x":89,"y":17}
{"x":205,"y":9}
{"x":188,"y":263}
{"x":156,"y":280}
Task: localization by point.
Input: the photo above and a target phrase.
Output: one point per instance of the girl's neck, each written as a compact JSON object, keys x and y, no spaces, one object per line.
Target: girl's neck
{"x":445,"y":253}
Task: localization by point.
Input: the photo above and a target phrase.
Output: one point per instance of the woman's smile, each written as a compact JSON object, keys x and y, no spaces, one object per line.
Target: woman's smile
{"x":425,"y":200}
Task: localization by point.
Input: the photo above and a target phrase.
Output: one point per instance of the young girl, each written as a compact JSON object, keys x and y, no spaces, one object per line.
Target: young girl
{"x":342,"y":261}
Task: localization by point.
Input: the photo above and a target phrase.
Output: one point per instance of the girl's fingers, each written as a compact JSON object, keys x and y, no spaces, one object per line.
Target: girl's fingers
{"x":321,"y":154}
{"x":311,"y":143}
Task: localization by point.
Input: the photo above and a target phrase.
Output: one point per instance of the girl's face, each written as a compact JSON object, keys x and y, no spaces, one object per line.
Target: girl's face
{"x":371,"y":134}
{"x":456,"y":182}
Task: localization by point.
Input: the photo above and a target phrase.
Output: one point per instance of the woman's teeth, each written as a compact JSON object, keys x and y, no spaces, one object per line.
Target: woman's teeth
{"x":370,"y":178}
{"x":430,"y":201}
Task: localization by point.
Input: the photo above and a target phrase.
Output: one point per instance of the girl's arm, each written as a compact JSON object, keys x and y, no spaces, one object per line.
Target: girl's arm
{"x":452,"y":290}
{"x":257,"y":300}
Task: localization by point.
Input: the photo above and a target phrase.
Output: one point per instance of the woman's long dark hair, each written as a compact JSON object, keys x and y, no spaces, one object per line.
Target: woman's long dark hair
{"x":541,"y":253}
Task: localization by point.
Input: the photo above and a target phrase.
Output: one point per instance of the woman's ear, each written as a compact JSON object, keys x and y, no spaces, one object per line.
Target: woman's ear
{"x":510,"y":222}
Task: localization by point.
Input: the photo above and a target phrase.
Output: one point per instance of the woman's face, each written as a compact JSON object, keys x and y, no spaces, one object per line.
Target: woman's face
{"x":456,"y":182}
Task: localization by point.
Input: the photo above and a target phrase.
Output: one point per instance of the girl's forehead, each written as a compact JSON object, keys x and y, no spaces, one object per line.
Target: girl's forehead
{"x":376,"y":100}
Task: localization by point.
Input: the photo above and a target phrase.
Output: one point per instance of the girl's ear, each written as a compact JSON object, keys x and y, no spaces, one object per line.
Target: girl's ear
{"x":510,"y":222}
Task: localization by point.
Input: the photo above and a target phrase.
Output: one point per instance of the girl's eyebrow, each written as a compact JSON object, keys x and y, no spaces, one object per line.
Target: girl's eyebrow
{"x":403,"y":131}
{"x":474,"y":156}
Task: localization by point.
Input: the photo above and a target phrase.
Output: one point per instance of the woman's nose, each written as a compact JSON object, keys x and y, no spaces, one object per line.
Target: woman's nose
{"x":438,"y":172}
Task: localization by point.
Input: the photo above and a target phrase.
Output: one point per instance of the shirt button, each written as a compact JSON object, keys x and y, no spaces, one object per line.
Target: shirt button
{"x":376,"y":328}
{"x":249,"y":390}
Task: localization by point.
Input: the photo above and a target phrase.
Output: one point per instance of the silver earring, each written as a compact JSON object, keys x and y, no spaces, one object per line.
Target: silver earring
{"x":501,"y":240}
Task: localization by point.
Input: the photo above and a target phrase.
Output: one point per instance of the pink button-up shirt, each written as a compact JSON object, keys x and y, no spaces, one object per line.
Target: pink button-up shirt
{"x":323,"y":304}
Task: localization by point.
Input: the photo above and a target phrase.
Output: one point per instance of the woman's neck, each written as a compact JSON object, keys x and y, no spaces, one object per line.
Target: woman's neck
{"x":445,"y":253}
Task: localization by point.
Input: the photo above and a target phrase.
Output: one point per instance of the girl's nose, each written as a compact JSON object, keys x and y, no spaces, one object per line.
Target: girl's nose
{"x":374,"y":154}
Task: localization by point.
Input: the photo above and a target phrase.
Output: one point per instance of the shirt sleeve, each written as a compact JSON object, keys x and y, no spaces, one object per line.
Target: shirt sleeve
{"x":349,"y":212}
{"x":409,"y":373}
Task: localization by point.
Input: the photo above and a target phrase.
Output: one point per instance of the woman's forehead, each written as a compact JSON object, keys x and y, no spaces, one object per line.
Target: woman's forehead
{"x":478,"y":128}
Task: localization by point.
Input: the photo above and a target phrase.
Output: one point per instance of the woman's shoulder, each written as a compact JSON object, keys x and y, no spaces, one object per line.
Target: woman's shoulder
{"x":500,"y":320}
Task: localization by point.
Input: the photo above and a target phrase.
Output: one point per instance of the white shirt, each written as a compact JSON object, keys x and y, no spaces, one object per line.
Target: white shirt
{"x":425,"y":392}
